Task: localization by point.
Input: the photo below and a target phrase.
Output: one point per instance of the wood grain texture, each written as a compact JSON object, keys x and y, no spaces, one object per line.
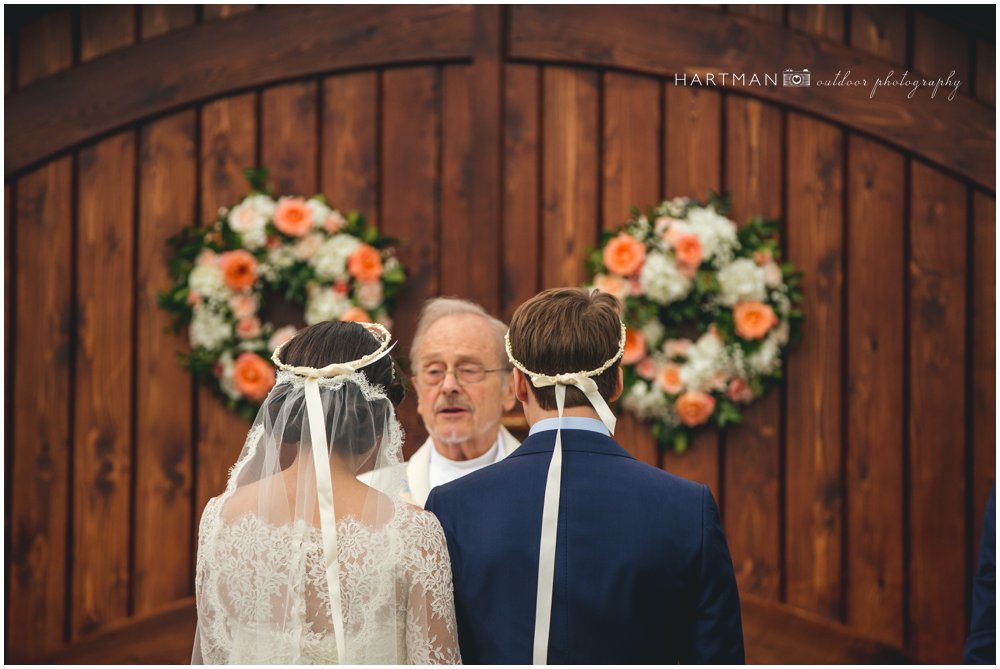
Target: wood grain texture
{"x":768,"y":13}
{"x":106,"y":28}
{"x":167,"y":183}
{"x":411,"y":205}
{"x":349,"y":170}
{"x":288,"y":120}
{"x":459,"y":251}
{"x":752,"y":505}
{"x":102,"y":458}
{"x":45,"y":47}
{"x":824,"y":21}
{"x":676,"y":40}
{"x":223,"y":57}
{"x":569,"y":174}
{"x":937,"y":430}
{"x":216,"y":12}
{"x":691,"y":167}
{"x":984,"y":356}
{"x":158,"y":20}
{"x":814,"y":478}
{"x":875,"y":392}
{"x":521,"y":187}
{"x":630,"y":176}
{"x":228,"y":145}
{"x":36,"y":585}
{"x":880,"y":31}
{"x":986,"y":72}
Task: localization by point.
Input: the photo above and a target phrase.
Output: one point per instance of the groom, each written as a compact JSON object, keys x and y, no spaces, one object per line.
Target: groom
{"x":629,"y":564}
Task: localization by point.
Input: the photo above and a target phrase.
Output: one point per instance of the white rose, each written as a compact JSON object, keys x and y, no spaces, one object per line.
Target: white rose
{"x":653,"y":331}
{"x":319,"y":211}
{"x":263,"y":204}
{"x":325,"y":305}
{"x":330,"y":261}
{"x":246,"y":218}
{"x":208,"y":329}
{"x":226,"y":378}
{"x":206,"y":280}
{"x":766,"y":359}
{"x":716,"y":233}
{"x":741,"y":280}
{"x":660,"y":280}
{"x":307,"y":247}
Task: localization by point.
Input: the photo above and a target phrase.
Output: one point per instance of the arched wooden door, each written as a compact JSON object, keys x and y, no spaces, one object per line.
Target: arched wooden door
{"x":495,"y":143}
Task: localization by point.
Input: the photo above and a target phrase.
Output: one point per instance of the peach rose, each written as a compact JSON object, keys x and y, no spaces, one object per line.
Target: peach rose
{"x":624,"y":255}
{"x":253,"y":376}
{"x":280,"y":336}
{"x":675,"y":348}
{"x":772,"y":275}
{"x":193,"y":298}
{"x":718,"y":381}
{"x":243,"y":306}
{"x":207,"y":257}
{"x":356,"y":314}
{"x":762,"y":257}
{"x":248,"y":328}
{"x":369,"y":294}
{"x":646,"y":368}
{"x":365,"y":264}
{"x":307,"y":247}
{"x":334,"y":222}
{"x":688,"y":250}
{"x":239,"y":269}
{"x":635,"y":347}
{"x":341,"y":287}
{"x":669,"y":379}
{"x":293,"y":217}
{"x":695,"y":408}
{"x":739,"y":391}
{"x":612,"y":285}
{"x":753,"y":319}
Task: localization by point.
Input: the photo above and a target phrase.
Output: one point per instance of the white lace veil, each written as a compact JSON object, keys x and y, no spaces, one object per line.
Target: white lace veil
{"x":298,"y":561}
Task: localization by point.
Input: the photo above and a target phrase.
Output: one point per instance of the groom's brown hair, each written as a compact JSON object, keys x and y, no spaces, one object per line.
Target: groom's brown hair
{"x":566,"y":330}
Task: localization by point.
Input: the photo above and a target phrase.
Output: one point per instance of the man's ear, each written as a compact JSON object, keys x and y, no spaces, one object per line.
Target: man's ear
{"x":509,"y":398}
{"x":520,"y":386}
{"x":619,"y":386}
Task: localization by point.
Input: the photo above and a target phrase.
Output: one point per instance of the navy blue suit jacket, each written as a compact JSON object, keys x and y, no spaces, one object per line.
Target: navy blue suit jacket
{"x":643,"y":574}
{"x":981,"y":645}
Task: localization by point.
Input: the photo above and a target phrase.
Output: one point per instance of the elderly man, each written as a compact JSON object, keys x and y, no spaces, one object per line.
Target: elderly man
{"x":463,"y":384}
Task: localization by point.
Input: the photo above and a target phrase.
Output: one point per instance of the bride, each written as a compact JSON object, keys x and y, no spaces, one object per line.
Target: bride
{"x":298,"y":561}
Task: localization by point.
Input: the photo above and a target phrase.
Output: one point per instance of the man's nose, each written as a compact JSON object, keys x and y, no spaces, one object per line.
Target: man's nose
{"x":450,"y":384}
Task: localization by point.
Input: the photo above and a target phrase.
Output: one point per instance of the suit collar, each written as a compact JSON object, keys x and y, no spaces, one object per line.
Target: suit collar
{"x":572,"y":440}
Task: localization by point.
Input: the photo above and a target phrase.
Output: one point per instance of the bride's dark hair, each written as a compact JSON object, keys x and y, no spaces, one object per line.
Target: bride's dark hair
{"x":324,"y":344}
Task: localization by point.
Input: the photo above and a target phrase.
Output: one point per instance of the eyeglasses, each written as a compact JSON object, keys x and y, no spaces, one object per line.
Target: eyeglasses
{"x":434,"y":375}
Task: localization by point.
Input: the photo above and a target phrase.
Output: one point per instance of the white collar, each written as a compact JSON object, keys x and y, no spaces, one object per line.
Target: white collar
{"x":570,"y":423}
{"x":496,"y":452}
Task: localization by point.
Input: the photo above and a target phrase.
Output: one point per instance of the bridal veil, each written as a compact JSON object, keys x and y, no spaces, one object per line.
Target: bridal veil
{"x":299,"y":562}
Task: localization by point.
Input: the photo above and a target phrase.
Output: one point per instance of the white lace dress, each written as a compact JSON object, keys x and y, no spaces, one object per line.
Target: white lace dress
{"x":396,"y":591}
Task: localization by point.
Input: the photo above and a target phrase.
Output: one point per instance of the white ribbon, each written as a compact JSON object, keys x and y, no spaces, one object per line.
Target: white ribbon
{"x":321,"y":463}
{"x":550,"y":505}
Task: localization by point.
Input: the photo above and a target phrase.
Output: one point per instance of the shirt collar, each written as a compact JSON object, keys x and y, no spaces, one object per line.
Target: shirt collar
{"x":570,"y":423}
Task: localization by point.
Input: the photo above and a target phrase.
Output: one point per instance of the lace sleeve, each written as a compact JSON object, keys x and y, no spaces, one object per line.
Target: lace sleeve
{"x":431,"y":631}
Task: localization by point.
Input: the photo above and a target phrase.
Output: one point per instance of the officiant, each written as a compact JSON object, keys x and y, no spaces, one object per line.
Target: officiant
{"x":463,"y":383}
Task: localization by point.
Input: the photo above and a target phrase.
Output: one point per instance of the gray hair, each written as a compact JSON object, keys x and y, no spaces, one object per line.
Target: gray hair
{"x":439,"y":307}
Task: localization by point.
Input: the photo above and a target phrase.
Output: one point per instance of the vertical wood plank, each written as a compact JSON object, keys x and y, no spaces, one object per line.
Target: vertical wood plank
{"x":459,"y":252}
{"x":411,"y":200}
{"x":825,"y":21}
{"x":984,"y":309}
{"x":45,"y":47}
{"x":937,"y":437}
{"x":569,"y":174}
{"x":228,"y":146}
{"x":105,"y":28}
{"x":288,"y":137}
{"x":691,"y":166}
{"x":215,"y":12}
{"x":156,"y":20}
{"x":752,"y":468}
{"x":879,"y":30}
{"x":875,"y":322}
{"x":814,"y":440}
{"x":485,"y":101}
{"x":163,"y":414}
{"x":630,"y":175}
{"x":768,"y":13}
{"x":42,"y":326}
{"x":939,"y":48}
{"x":102,"y":458}
{"x":350,"y":143}
{"x":521,"y":273}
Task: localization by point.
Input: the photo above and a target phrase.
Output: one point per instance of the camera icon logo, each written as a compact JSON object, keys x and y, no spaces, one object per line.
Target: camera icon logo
{"x":795,"y":78}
